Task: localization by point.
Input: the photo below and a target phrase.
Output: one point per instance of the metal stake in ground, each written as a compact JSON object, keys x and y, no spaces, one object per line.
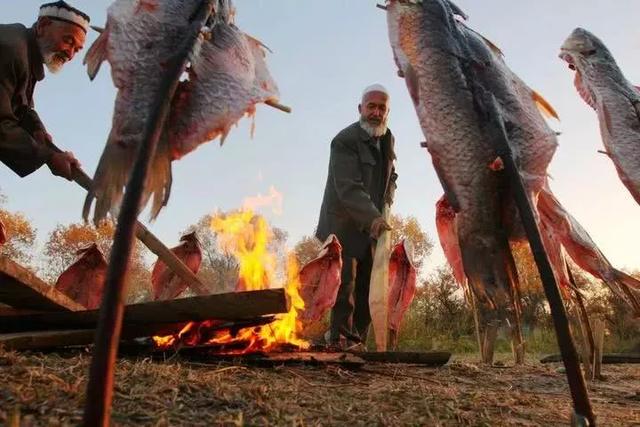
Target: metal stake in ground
{"x":100,"y":387}
{"x":581,"y":403}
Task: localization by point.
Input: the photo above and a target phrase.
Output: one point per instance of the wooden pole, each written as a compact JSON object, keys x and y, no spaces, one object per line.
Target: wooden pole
{"x":581,"y":403}
{"x":100,"y":386}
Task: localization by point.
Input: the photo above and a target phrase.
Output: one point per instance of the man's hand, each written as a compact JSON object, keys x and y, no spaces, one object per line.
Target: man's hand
{"x":63,"y":164}
{"x":378,"y":226}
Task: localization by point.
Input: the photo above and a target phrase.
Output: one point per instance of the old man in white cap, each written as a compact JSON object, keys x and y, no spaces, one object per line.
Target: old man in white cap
{"x":361,"y":179}
{"x":52,"y":41}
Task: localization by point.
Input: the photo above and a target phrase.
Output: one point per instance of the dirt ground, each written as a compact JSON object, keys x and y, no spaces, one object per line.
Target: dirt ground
{"x":47,"y":390}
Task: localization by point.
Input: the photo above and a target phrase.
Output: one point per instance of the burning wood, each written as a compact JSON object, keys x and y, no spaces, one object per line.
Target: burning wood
{"x":232,"y":306}
{"x":248,"y":238}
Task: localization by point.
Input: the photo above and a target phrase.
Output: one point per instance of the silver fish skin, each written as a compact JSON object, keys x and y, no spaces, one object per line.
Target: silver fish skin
{"x":227,"y":78}
{"x":433,"y":57}
{"x":601,"y":83}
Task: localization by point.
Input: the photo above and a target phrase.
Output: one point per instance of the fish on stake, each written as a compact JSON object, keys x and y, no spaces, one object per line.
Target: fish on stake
{"x":227,"y":77}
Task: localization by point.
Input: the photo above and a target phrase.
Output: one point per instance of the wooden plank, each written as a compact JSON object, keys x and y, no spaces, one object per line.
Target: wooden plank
{"x":431,"y":358}
{"x":229,"y":306}
{"x":607,"y":358}
{"x":379,"y":287}
{"x":22,"y":289}
{"x":58,"y":339}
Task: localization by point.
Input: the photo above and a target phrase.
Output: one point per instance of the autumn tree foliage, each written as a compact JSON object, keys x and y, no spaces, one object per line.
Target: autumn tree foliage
{"x":21,"y":235}
{"x":60,"y":251}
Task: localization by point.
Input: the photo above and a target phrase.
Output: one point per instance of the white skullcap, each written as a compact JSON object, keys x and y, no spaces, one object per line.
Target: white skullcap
{"x":61,"y":11}
{"x":375,"y":88}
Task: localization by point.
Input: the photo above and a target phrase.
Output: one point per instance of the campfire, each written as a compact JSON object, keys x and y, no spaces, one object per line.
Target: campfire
{"x":248,"y":237}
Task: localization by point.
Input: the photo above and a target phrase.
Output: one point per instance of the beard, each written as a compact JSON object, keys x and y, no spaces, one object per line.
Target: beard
{"x":54,"y":61}
{"x":374,"y":131}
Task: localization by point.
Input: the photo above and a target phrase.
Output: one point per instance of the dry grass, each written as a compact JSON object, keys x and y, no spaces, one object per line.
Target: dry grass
{"x":48,"y":390}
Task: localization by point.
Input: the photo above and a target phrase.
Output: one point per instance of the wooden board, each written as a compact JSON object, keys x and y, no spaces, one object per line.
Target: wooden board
{"x":430,"y":358}
{"x":229,"y":306}
{"x":58,"y":339}
{"x":22,"y":289}
{"x":607,"y":359}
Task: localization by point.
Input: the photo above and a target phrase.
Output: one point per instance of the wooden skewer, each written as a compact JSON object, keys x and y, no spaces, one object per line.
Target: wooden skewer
{"x":278,"y":106}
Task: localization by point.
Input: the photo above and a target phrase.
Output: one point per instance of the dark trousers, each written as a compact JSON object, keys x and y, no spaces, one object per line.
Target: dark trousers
{"x":351,"y":310}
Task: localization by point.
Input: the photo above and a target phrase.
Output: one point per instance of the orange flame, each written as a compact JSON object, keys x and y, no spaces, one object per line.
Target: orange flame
{"x":273,"y":199}
{"x":247,"y":236}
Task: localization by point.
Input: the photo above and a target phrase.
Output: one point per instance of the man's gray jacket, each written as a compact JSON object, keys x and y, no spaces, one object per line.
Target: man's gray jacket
{"x":359,"y":180}
{"x":21,"y":67}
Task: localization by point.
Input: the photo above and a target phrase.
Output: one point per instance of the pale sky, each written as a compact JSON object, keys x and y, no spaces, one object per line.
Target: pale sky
{"x":325,"y":53}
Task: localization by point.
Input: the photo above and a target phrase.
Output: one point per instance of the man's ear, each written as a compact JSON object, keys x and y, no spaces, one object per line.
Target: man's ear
{"x":41,"y":24}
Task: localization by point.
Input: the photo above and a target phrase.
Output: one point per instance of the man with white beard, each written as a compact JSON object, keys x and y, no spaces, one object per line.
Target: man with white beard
{"x":361,"y":179}
{"x":52,"y":41}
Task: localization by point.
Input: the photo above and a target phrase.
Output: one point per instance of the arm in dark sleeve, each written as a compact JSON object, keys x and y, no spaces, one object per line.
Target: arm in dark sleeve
{"x":349,"y":186}
{"x":18,"y":149}
{"x":391,"y":189}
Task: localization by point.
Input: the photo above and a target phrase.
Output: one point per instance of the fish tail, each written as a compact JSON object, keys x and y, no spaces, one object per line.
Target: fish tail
{"x":159,"y":181}
{"x":109,"y":181}
{"x":630,"y":286}
{"x":112,"y":175}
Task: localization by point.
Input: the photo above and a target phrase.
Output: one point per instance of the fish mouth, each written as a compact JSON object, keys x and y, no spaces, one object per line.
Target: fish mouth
{"x":566,"y":56}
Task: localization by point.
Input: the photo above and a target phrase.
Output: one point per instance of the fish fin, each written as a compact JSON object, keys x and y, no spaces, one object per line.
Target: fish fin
{"x":491,"y":45}
{"x":159,"y":182}
{"x":109,"y":181}
{"x":449,"y":194}
{"x":457,"y":11}
{"x":258,"y":42}
{"x":607,"y":118}
{"x":627,"y":283}
{"x":583,"y":91}
{"x":544,"y":106}
{"x":96,"y":54}
{"x":411,"y":79}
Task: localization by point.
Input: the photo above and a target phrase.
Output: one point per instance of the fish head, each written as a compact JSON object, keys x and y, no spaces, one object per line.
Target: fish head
{"x":583,"y":51}
{"x":191,"y":242}
{"x":331,"y":247}
{"x":91,"y":255}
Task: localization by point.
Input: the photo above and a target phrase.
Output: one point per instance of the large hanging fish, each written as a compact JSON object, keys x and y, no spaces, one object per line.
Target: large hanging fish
{"x":227,"y":77}
{"x":603,"y":86}
{"x":432,"y":53}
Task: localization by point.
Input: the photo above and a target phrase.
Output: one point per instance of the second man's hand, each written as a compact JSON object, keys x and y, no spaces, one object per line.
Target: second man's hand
{"x":378,"y":226}
{"x":63,"y":164}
